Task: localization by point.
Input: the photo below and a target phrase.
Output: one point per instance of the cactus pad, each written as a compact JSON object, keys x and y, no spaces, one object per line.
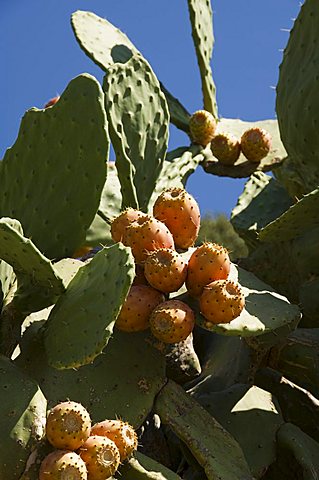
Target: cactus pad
{"x":251,"y":415}
{"x":23,"y":414}
{"x":139,"y":118}
{"x":81,"y":323}
{"x":297,"y":101}
{"x":105,"y":44}
{"x":103,"y":388}
{"x":58,"y":160}
{"x":201,"y":17}
{"x":212,"y":446}
{"x":294,"y":222}
{"x":262,"y":200}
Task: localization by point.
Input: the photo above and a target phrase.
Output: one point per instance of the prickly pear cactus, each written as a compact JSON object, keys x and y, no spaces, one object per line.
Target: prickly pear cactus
{"x":297,"y":92}
{"x":54,"y":147}
{"x":139,"y":118}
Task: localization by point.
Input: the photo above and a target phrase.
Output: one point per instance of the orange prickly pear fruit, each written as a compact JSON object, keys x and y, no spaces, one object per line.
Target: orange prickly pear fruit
{"x":68,"y":425}
{"x":172,"y":321}
{"x":101,"y":456}
{"x":62,"y":465}
{"x":221,"y":302}
{"x":180,"y":212}
{"x":122,"y":434}
{"x":165,"y":270}
{"x":209,"y":262}
{"x":52,"y":101}
{"x":145,"y":235}
{"x":202,"y":126}
{"x":255,"y":144}
{"x":137,"y":308}
{"x":226,"y":148}
{"x":122,"y":221}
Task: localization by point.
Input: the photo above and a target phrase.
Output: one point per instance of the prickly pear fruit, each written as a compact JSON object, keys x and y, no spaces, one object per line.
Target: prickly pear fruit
{"x":209,"y":262}
{"x":137,"y":308}
{"x":68,"y":425}
{"x":255,"y":144}
{"x":221,"y":302}
{"x":122,"y":221}
{"x":165,"y":270}
{"x":172,"y":321}
{"x":52,"y":101}
{"x":226,"y":148}
{"x":202,"y":126}
{"x":180,"y":212}
{"x":122,"y":434}
{"x":145,"y":235}
{"x":101,"y":456}
{"x":63,"y":465}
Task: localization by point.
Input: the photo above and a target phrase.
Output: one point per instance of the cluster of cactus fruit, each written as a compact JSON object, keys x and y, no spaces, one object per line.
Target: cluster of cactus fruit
{"x":153,"y":240}
{"x":212,"y":362}
{"x":254,"y":143}
{"x":83,"y":450}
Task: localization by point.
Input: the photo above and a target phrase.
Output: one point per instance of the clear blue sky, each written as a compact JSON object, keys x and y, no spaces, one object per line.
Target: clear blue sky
{"x":39,"y":56}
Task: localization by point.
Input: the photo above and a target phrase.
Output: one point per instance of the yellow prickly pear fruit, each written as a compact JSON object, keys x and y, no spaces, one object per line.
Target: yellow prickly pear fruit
{"x":221,"y":302}
{"x":202,"y":126}
{"x":122,"y":434}
{"x":68,"y":425}
{"x":226,"y":148}
{"x":101,"y":456}
{"x":172,"y":321}
{"x":62,"y":465}
{"x":255,"y":144}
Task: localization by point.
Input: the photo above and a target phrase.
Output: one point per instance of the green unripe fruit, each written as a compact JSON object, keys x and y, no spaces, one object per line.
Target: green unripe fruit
{"x":202,"y":126}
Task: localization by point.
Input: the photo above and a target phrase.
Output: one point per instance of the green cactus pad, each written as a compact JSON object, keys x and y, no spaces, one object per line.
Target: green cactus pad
{"x":244,"y":168}
{"x":38,"y":285}
{"x":263,"y":200}
{"x":212,"y":446}
{"x":139,"y":118}
{"x":99,"y":232}
{"x":122,"y":382}
{"x":23,"y":415}
{"x":26,"y":260}
{"x":309,"y":303}
{"x":297,"y":454}
{"x":298,"y":406}
{"x":105,"y":44}
{"x":178,"y":166}
{"x":57,"y":167}
{"x":293,"y":222}
{"x":266,"y":318}
{"x":201,"y":17}
{"x":297,"y":358}
{"x":141,"y":467}
{"x":297,"y":101}
{"x":81,"y":323}
{"x":250,"y":415}
{"x":224,"y":360}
